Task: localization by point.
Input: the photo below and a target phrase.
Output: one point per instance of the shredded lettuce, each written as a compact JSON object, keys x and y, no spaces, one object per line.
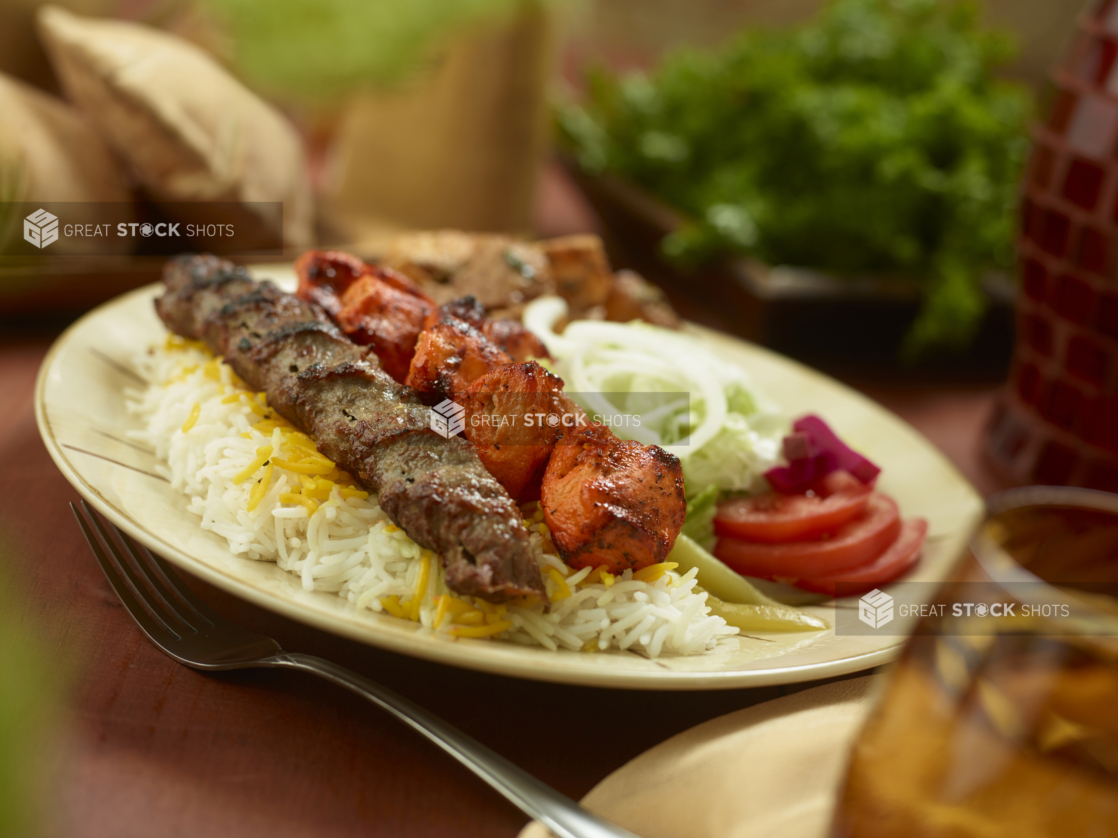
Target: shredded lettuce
{"x":739,"y":455}
{"x":699,"y":524}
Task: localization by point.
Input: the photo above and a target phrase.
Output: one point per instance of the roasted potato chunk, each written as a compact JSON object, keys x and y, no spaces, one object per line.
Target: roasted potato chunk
{"x":449,"y":357}
{"x":386,"y":311}
{"x":324,"y":275}
{"x":612,"y":502}
{"x":509,"y":422}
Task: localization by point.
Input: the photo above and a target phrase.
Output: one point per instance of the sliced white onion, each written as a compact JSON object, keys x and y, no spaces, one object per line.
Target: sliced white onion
{"x":540,"y":317}
{"x":596,"y":357}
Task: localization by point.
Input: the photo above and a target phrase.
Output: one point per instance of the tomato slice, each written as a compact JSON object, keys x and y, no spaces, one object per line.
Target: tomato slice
{"x":775,"y":517}
{"x":897,"y":559}
{"x":855,"y":543}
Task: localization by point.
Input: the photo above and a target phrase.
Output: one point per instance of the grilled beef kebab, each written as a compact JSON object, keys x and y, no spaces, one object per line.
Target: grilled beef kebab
{"x":435,"y":488}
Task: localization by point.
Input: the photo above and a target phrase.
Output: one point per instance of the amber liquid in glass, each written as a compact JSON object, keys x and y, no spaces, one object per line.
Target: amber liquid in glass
{"x":1009,"y":733}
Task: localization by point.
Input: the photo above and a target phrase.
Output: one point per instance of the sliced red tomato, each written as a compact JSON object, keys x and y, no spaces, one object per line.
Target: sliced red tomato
{"x":775,"y":517}
{"x":855,"y":543}
{"x":897,"y":559}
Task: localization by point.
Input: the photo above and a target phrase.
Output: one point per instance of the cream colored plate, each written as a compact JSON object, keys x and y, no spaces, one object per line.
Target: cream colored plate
{"x":80,"y":411}
{"x":770,"y":771}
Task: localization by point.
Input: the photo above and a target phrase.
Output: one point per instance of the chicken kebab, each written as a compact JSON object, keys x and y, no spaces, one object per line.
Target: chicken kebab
{"x":361,"y":386}
{"x":607,"y":502}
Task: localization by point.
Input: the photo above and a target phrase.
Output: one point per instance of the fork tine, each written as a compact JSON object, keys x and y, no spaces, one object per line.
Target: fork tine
{"x":167,"y":583}
{"x":117,"y":572}
{"x":161,"y":585}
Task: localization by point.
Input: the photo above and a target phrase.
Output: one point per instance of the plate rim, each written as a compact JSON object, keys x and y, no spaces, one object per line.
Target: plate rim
{"x":450,"y":654}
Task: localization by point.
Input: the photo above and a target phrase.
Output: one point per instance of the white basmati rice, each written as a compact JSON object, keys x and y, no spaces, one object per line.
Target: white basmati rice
{"x":207,"y":429}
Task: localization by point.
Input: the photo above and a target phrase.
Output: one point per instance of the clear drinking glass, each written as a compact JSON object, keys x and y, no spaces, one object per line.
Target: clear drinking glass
{"x":1004,"y":720}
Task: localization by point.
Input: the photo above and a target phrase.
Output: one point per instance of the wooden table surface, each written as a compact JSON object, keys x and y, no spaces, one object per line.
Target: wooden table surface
{"x":147,"y":747}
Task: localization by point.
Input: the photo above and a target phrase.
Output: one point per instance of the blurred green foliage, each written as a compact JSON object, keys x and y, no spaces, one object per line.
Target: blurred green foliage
{"x":874,"y":139}
{"x":29,"y":689}
{"x":318,"y":49}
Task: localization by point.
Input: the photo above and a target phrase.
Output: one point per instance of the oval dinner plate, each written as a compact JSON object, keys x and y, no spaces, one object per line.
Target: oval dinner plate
{"x":79,"y":406}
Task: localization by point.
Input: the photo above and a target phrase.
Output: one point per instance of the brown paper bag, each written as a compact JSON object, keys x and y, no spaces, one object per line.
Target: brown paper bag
{"x":458,"y":147}
{"x":48,"y":153}
{"x":188,"y":130}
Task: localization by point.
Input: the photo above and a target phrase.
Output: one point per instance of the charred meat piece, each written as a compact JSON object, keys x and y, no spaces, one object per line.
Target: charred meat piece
{"x":515,"y":339}
{"x":467,"y":309}
{"x":497,"y":270}
{"x":324,"y":275}
{"x":509,"y":335}
{"x":375,"y":306}
{"x":580,"y":269}
{"x":449,"y":357}
{"x":213,"y":283}
{"x":385,"y":310}
{"x":514,"y":417}
{"x":632,"y":297}
{"x":612,"y":502}
{"x":504,"y":274}
{"x":435,"y":488}
{"x":431,"y":256}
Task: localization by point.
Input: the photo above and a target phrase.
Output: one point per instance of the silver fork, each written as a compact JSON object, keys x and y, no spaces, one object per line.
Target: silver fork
{"x":180,"y":624}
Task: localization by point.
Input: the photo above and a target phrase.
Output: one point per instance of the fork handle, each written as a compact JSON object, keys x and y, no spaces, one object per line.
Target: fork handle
{"x":559,"y":813}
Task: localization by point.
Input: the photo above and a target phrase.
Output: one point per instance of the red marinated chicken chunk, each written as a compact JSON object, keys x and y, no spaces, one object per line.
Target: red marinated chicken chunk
{"x":612,"y":502}
{"x":607,"y":502}
{"x":509,"y":422}
{"x":385,"y":310}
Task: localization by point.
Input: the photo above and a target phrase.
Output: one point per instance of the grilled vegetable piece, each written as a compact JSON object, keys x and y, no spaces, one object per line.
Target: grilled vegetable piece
{"x":509,"y":422}
{"x":435,"y":488}
{"x":449,"y":357}
{"x":385,"y":310}
{"x":580,"y":269}
{"x":509,"y":335}
{"x":612,"y":502}
{"x":324,"y":275}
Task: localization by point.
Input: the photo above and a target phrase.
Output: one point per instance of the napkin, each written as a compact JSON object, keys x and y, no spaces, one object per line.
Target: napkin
{"x":769,"y":770}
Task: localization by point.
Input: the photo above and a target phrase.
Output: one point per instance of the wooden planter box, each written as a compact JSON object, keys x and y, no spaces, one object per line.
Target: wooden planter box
{"x":847,"y":324}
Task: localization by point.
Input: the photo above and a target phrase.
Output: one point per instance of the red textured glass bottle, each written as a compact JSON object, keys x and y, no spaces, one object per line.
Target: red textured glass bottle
{"x":1057,"y":421}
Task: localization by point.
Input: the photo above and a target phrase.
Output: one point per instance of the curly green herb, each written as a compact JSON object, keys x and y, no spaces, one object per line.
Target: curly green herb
{"x":875,"y":139}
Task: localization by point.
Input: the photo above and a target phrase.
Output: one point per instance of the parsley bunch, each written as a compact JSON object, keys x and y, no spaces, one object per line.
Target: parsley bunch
{"x":872,"y":140}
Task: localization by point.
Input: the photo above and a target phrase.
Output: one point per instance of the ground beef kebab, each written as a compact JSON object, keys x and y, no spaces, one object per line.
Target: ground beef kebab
{"x":435,"y":488}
